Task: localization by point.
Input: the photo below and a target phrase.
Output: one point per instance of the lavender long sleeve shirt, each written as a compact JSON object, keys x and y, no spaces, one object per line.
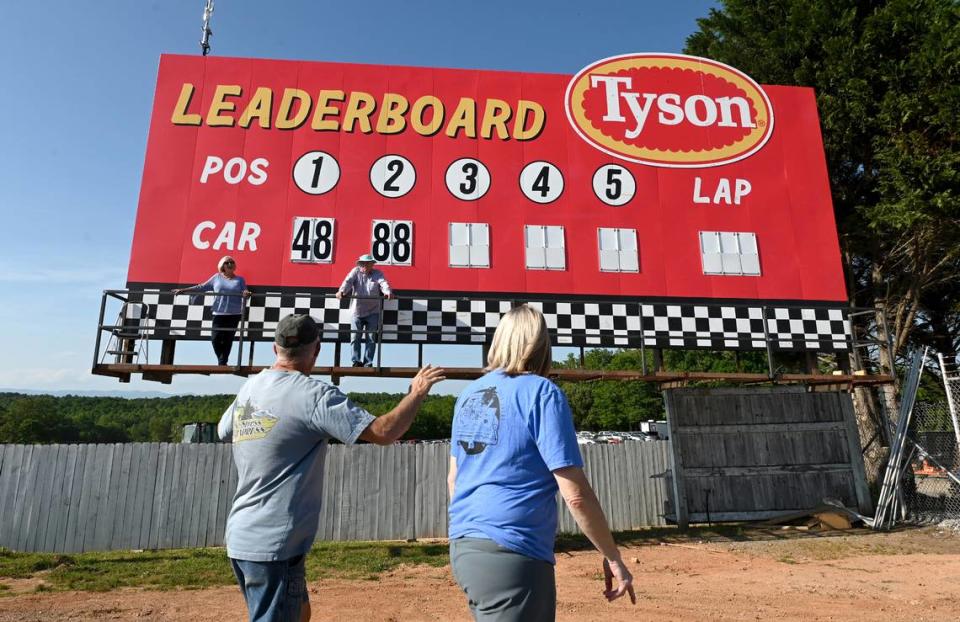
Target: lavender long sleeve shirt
{"x":372,"y":284}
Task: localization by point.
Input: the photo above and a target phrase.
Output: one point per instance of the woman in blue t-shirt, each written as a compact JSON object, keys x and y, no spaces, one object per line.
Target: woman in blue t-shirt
{"x":513,"y":446}
{"x":227,"y":306}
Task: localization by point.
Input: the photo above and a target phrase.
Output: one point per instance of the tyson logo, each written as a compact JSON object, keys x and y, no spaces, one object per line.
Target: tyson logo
{"x":669,"y":110}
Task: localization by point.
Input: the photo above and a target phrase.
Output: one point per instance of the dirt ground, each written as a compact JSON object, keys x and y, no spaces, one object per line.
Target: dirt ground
{"x":912,"y":575}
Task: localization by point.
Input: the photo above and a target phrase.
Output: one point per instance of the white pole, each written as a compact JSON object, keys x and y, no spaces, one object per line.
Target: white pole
{"x":951,"y":404}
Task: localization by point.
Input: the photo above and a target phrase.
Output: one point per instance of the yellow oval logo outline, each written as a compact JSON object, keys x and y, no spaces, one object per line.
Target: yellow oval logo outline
{"x":742,"y":148}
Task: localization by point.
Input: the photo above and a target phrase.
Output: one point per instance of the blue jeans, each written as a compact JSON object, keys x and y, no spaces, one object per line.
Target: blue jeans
{"x":274,"y":591}
{"x":368,"y":324}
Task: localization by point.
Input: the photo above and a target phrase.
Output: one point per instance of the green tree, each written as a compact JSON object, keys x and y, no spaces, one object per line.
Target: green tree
{"x":35,"y":420}
{"x":887,"y":81}
{"x":611,"y":404}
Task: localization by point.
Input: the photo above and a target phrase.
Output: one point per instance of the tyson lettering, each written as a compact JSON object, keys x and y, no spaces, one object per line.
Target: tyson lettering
{"x":669,"y":110}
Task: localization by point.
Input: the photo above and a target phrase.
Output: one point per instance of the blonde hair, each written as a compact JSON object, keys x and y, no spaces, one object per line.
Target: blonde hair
{"x":521,"y":343}
{"x":224,"y":260}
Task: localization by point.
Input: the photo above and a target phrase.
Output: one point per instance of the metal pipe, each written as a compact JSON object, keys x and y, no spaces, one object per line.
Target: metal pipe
{"x":766,"y":342}
{"x":892,"y":354}
{"x":206,"y":33}
{"x":96,"y":348}
{"x":380,"y":333}
{"x":243,"y":327}
{"x":643,"y":351}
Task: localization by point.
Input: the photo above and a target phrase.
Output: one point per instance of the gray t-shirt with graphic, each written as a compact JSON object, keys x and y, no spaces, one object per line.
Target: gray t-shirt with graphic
{"x":280,"y":423}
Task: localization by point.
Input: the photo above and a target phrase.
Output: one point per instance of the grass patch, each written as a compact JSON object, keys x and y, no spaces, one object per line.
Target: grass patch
{"x":656,"y":535}
{"x":357,"y":560}
{"x":106,"y":571}
{"x":202,"y":568}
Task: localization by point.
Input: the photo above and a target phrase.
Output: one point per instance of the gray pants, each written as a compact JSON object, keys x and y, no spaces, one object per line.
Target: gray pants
{"x":502,"y":585}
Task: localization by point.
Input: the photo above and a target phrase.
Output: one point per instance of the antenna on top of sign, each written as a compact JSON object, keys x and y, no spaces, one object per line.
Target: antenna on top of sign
{"x":207,"y":33}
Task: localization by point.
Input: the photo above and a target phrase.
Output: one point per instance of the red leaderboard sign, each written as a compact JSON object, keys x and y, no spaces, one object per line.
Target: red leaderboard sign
{"x":644,"y":176}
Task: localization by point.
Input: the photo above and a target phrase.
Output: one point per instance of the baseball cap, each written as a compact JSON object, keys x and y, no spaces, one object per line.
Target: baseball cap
{"x":368,"y":258}
{"x":296,"y":330}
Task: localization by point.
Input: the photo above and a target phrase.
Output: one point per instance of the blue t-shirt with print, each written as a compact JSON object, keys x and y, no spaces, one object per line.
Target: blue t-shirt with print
{"x":509,"y":435}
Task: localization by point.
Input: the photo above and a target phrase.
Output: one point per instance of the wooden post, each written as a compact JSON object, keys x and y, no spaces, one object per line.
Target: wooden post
{"x":335,"y":378}
{"x":167,"y":349}
{"x":658,"y":359}
{"x":852,"y":434}
{"x":843,"y":362}
{"x":676,"y":463}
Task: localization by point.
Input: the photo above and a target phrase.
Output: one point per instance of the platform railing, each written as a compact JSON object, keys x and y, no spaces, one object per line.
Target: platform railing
{"x":860,"y":320}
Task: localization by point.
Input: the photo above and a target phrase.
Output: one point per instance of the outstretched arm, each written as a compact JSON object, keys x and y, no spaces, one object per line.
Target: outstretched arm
{"x":586,"y":510}
{"x":387,"y":428}
{"x":206,"y":286}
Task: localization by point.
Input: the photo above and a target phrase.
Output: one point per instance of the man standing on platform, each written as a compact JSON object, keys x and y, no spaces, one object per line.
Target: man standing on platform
{"x":366,"y":284}
{"x":279,"y":424}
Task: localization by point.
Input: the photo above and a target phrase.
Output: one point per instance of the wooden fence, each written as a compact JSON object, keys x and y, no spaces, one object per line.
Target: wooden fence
{"x":73,"y":498}
{"x":754,"y":453}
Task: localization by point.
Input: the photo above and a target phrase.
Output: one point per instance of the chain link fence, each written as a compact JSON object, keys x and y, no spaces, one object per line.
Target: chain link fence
{"x":931,"y":477}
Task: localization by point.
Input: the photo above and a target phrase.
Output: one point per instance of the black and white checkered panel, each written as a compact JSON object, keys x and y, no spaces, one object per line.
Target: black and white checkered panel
{"x":432,"y":320}
{"x":466,"y":321}
{"x":819,"y":329}
{"x":409,"y":320}
{"x":592,"y":323}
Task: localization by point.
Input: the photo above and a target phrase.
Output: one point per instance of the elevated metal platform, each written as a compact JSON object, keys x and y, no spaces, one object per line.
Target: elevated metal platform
{"x":145,"y":317}
{"x":162,"y":372}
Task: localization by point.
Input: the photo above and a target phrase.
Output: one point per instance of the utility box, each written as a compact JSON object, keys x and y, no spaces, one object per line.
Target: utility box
{"x":659,"y":429}
{"x":200,"y":432}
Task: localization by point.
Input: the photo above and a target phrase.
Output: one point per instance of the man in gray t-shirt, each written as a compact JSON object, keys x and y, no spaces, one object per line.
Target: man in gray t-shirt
{"x":279,"y":424}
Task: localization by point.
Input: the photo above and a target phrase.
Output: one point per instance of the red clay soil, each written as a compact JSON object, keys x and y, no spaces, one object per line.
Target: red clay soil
{"x":874,"y":577}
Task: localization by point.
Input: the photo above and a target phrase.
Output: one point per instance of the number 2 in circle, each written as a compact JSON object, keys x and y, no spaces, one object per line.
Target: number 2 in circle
{"x":393,"y":176}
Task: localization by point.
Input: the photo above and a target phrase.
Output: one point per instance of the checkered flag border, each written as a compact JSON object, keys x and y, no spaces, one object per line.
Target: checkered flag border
{"x":571,"y":323}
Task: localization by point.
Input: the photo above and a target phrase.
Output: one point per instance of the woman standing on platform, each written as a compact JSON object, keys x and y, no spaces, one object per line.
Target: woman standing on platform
{"x":227,"y":307}
{"x":513,"y":446}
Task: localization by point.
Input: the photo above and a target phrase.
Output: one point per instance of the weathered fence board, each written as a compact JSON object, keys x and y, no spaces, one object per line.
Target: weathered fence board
{"x":751,"y":453}
{"x":74,"y":498}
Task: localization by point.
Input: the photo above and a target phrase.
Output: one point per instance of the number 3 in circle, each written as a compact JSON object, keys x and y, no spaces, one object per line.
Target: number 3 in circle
{"x":468,"y":179}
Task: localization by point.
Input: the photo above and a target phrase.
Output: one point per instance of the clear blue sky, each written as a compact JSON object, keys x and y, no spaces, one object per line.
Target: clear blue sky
{"x":76,"y":86}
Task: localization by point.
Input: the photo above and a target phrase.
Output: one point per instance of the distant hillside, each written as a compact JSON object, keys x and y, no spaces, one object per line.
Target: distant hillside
{"x":82,"y":419}
{"x":123,"y":394}
{"x":602,"y":405}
